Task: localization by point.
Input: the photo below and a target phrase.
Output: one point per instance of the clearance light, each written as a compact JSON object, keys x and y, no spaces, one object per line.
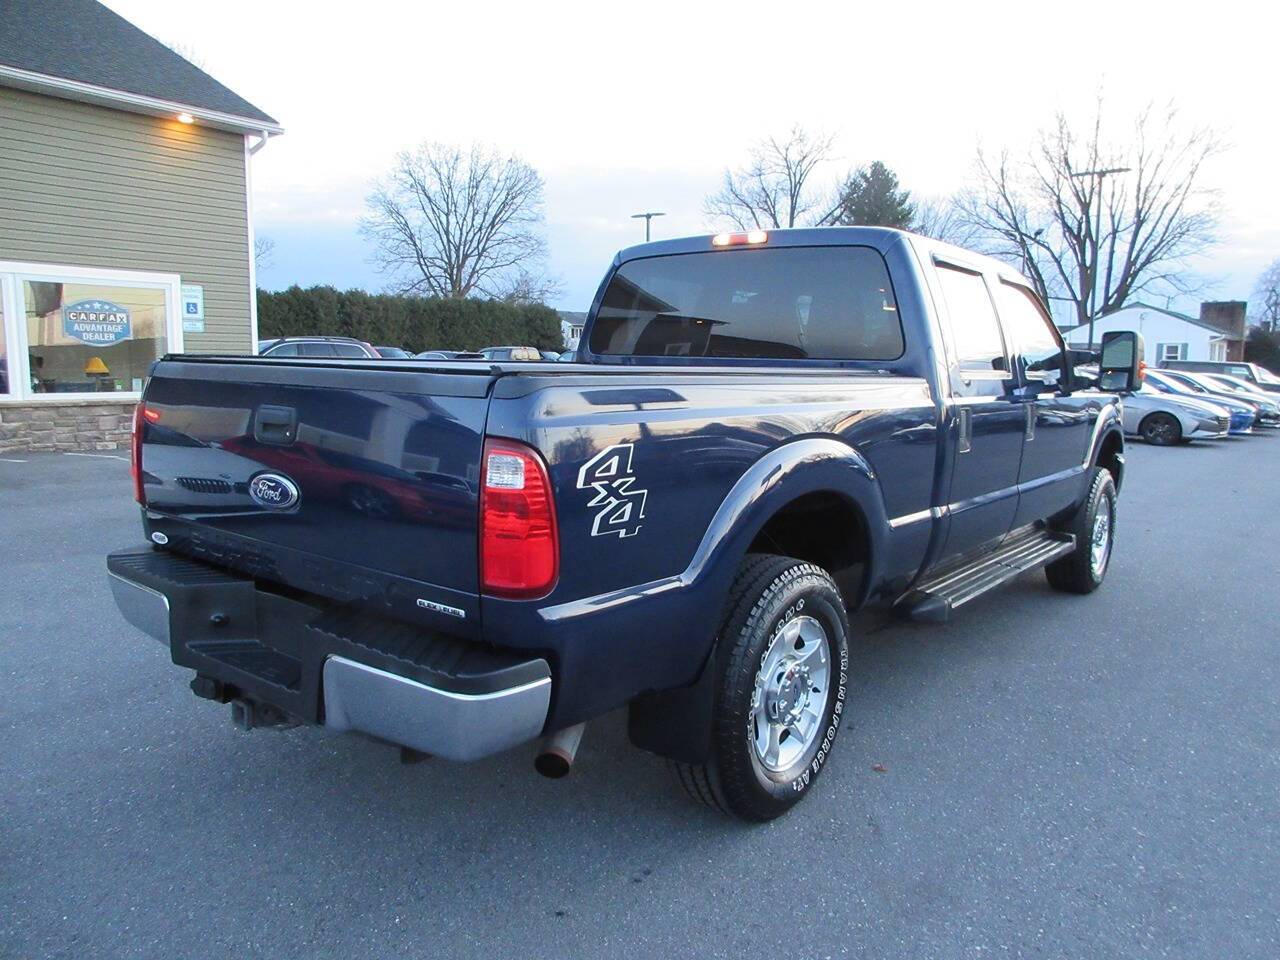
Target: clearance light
{"x":186,"y":118}
{"x":738,"y":239}
{"x":519,"y":542}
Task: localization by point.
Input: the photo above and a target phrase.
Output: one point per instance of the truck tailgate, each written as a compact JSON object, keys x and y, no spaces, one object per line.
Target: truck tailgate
{"x":349,"y":470}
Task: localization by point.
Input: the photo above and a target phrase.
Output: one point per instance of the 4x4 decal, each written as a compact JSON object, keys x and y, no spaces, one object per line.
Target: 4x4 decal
{"x":621,"y":504}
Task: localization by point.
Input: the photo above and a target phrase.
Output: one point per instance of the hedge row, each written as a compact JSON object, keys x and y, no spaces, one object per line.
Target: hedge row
{"x":415,"y":323}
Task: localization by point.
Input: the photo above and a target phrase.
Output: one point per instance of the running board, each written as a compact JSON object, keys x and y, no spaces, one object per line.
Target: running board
{"x":934,"y":598}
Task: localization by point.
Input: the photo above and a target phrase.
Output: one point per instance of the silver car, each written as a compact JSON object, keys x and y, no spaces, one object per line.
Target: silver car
{"x":1165,"y":418}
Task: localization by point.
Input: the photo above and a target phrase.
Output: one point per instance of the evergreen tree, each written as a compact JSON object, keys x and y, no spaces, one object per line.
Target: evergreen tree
{"x":871,"y":197}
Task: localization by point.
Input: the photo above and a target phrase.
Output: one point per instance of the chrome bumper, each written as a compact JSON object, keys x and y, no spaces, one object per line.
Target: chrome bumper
{"x":457,"y":726}
{"x":146,"y":609}
{"x":354,"y":696}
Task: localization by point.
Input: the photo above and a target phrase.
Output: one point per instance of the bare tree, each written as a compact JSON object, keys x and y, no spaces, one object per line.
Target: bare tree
{"x":264,"y":253}
{"x":454,"y":223}
{"x":775,"y":188}
{"x":942,"y":219}
{"x":525,"y":287}
{"x":1096,"y":224}
{"x":1266,"y":297}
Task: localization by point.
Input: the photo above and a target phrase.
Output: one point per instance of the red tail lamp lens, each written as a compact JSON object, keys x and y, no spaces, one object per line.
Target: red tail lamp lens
{"x":519,"y":543}
{"x":141,"y":416}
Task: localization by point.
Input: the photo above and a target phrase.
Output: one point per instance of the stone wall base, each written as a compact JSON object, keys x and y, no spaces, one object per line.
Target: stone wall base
{"x":89,"y":425}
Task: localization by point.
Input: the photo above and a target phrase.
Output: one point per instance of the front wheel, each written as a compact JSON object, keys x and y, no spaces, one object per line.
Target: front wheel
{"x":1161,"y":429}
{"x":1094,"y":527}
{"x":781,"y":694}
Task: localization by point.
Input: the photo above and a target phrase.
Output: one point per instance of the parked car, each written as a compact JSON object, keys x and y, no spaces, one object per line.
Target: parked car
{"x":550,"y":355}
{"x":448,"y":355}
{"x":511,"y":353}
{"x":393,"y":353}
{"x":1259,"y":377}
{"x":1164,"y":419}
{"x":1243,"y":414}
{"x":763,"y":432}
{"x":1268,"y":403}
{"x":568,"y":356}
{"x":1209,"y":385}
{"x":317,"y":347}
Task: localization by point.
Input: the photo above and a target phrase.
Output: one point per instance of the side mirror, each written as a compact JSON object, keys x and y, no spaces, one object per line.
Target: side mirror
{"x":1121,"y":367}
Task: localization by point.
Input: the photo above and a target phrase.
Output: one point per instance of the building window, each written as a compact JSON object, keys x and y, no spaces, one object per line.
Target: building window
{"x":71,"y":331}
{"x":1170,"y":351}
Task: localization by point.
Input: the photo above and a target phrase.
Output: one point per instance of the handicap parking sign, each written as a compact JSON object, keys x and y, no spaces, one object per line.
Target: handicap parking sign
{"x":192,"y":308}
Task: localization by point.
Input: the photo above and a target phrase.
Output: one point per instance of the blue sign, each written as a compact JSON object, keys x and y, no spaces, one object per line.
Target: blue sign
{"x":99,"y":323}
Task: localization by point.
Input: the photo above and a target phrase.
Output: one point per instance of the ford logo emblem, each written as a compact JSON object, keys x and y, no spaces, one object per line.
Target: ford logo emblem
{"x":273,"y":491}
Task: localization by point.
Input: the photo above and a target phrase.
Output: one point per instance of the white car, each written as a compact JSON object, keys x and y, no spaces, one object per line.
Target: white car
{"x":1163,"y":418}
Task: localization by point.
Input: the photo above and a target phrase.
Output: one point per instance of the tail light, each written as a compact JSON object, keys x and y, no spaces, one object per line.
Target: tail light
{"x":135,"y":452}
{"x":738,"y":239}
{"x":519,"y":544}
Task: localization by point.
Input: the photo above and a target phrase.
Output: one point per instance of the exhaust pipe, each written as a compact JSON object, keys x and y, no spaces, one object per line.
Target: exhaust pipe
{"x":556,"y":752}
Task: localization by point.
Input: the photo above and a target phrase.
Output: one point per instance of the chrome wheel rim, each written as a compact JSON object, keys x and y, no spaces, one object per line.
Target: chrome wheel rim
{"x":1100,"y":541}
{"x":790,"y":695}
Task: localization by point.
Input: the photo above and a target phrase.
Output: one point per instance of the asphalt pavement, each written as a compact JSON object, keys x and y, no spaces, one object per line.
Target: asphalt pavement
{"x":1062,"y":777}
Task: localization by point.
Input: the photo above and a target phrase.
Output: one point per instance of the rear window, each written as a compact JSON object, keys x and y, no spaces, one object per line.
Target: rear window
{"x":797,"y":303}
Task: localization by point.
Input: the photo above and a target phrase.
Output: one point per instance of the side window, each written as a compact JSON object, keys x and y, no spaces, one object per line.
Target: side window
{"x":284,"y":350}
{"x":1034,"y":338}
{"x":347,"y":350}
{"x":980,"y":350}
{"x":315,"y":349}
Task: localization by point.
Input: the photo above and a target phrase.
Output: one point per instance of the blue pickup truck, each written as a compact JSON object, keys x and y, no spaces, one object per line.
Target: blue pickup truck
{"x":761,"y":433}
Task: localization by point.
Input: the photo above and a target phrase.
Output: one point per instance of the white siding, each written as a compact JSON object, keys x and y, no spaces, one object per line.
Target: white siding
{"x":1156,"y":327}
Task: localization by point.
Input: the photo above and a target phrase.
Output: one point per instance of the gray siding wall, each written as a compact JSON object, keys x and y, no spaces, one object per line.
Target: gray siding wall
{"x":92,"y":187}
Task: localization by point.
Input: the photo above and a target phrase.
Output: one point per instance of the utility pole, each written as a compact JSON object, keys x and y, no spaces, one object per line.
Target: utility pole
{"x":1097,"y":243}
{"x":647,"y":218}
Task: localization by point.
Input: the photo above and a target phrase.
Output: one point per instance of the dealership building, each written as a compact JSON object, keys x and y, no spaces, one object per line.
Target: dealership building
{"x":126,"y":228}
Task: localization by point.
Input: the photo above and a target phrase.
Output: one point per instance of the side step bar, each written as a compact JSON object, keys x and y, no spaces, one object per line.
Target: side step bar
{"x":933,"y":599}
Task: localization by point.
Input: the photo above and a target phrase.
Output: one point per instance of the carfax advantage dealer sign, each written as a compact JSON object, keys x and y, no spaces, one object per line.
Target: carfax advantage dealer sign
{"x":99,"y":323}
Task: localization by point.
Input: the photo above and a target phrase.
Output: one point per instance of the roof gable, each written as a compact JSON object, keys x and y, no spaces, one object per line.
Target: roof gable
{"x":84,"y":42}
{"x":1185,"y":318}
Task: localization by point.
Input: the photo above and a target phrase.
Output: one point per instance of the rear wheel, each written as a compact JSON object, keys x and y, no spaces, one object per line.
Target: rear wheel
{"x":780,"y":697}
{"x":1162,"y":429}
{"x":1094,"y":527}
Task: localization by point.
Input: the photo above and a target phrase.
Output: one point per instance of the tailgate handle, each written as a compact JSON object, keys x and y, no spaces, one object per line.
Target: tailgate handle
{"x":277,"y":425}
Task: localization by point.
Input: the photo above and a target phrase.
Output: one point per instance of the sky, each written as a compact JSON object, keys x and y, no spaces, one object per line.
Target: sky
{"x":631,"y":107}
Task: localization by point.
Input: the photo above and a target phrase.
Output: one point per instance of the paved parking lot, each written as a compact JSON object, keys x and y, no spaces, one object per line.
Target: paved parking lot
{"x":1064,"y":777}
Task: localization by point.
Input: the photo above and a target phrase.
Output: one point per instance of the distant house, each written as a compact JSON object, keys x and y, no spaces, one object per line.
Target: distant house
{"x":571,"y":324}
{"x":126,"y":229}
{"x":1217,"y":334}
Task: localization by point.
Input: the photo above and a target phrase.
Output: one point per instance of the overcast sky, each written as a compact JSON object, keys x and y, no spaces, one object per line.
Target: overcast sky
{"x":640,"y":106}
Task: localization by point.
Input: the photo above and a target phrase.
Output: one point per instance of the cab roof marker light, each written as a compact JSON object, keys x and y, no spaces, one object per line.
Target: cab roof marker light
{"x":738,"y":239}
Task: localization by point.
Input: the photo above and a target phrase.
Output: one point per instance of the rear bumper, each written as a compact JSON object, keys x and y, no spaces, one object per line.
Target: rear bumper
{"x":331,"y":665}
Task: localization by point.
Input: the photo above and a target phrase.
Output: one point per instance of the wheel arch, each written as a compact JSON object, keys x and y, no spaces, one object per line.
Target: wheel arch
{"x":798,"y":500}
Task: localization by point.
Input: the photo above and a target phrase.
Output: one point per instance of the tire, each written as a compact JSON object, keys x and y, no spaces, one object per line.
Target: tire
{"x":1083,"y":570}
{"x":1161,"y":429}
{"x":783,"y":644}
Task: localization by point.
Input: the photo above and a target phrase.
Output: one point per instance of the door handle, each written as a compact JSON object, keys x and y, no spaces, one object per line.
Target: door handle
{"x":275,"y":425}
{"x":966,"y":430}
